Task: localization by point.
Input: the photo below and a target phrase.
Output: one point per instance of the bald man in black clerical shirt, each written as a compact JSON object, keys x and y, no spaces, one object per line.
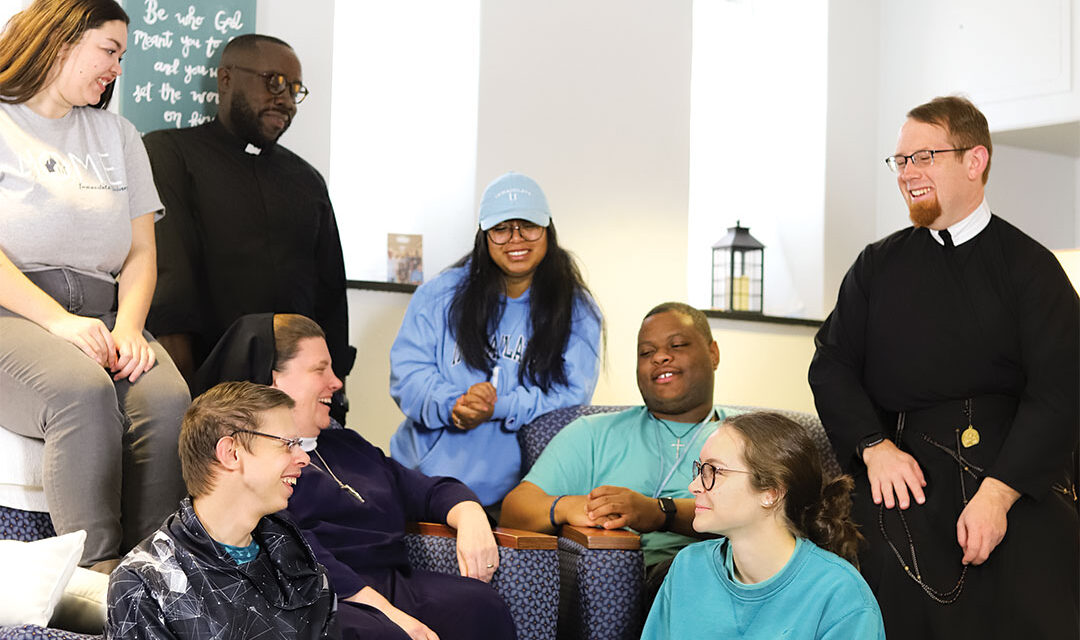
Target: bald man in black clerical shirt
{"x":948,"y":378}
{"x":250,"y":227}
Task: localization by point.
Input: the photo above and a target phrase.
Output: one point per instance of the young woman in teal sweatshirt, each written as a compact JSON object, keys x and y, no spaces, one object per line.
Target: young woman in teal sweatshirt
{"x":783,"y":568}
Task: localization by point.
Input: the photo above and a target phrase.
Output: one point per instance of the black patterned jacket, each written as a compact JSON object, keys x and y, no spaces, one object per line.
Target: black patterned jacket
{"x":178,"y":584}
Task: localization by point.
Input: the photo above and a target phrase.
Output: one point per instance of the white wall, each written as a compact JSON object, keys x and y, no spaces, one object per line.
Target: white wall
{"x":592,"y":99}
{"x":758,"y":110}
{"x":374,"y":319}
{"x":852,"y":159}
{"x":1036,"y":191}
{"x":306,"y":26}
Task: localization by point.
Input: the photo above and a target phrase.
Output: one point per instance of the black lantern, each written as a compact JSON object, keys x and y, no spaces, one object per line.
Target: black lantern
{"x":738,"y":271}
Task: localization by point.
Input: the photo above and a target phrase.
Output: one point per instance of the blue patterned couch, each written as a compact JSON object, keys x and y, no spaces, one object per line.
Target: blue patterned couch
{"x":601,"y":594}
{"x":527,"y":577}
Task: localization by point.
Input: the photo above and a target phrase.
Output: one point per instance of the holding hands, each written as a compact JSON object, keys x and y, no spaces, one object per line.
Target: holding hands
{"x":608,"y":507}
{"x":475,"y":407}
{"x":135,"y":357}
{"x":617,"y":507}
{"x":90,"y":335}
{"x":123,"y":351}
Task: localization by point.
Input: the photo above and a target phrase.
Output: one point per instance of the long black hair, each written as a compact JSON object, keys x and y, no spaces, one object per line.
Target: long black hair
{"x":479,"y":301}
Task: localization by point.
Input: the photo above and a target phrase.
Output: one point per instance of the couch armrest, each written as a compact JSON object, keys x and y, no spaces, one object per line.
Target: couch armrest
{"x":592,"y":538}
{"x":509,"y":538}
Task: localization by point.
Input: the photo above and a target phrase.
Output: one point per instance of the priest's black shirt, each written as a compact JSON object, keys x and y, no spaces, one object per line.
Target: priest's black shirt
{"x":917,"y":324}
{"x":922,"y":334}
{"x":244,"y":234}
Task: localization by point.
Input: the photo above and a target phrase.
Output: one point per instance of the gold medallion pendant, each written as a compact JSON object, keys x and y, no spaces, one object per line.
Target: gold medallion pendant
{"x":970,"y":437}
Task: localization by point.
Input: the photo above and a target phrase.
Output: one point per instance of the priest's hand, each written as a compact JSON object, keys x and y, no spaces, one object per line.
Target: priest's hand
{"x":893,"y":472}
{"x":618,"y":507}
{"x":477,"y":553}
{"x":982,"y":524}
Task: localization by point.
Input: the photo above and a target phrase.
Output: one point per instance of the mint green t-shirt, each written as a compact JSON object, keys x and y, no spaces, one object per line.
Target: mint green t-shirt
{"x":630,"y":449}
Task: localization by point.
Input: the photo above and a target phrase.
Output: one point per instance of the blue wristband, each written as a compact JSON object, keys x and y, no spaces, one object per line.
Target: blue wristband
{"x":551,"y":514}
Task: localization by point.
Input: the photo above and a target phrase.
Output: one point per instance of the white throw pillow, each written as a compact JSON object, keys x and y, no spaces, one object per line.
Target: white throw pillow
{"x":82,"y":608}
{"x":35,"y":574}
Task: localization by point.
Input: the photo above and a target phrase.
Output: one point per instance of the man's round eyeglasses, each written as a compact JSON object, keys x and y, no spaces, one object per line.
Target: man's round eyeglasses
{"x":501,"y":233}
{"x":708,"y":473}
{"x":305,"y":444}
{"x":921,"y":158}
{"x":277,"y":83}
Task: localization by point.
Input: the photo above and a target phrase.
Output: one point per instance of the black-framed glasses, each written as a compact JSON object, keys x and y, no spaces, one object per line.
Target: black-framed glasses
{"x":277,"y":83}
{"x":504,"y":231}
{"x":921,"y":158}
{"x":709,"y":471}
{"x":305,"y":444}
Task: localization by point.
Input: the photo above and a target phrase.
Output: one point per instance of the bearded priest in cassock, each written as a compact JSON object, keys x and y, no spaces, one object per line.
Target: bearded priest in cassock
{"x":948,"y":378}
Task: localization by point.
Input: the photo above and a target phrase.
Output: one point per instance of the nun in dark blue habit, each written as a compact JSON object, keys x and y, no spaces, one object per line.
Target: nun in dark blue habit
{"x":353,"y":502}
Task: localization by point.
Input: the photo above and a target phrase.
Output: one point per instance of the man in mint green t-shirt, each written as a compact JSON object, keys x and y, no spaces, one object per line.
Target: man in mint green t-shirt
{"x":632,"y":468}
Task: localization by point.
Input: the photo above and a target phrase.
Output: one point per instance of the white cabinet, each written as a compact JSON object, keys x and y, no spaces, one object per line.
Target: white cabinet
{"x":1019,"y":61}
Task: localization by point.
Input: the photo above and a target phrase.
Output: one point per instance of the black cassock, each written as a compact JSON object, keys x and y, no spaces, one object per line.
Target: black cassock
{"x":243,"y":233}
{"x":936,"y":338}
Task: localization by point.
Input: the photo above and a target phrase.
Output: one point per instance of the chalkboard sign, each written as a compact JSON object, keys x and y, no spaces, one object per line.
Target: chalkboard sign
{"x":174,"y":46}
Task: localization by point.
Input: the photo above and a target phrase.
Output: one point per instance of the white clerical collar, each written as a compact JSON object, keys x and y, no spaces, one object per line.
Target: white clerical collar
{"x":967,"y":228}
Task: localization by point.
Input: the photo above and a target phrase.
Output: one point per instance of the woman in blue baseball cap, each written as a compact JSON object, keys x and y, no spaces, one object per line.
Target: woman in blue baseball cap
{"x":507,"y":334}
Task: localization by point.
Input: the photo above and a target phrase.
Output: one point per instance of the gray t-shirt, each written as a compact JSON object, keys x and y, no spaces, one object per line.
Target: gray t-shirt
{"x":69,"y":189}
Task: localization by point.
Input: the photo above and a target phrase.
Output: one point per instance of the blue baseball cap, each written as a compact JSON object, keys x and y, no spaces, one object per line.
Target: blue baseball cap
{"x":513,"y":196}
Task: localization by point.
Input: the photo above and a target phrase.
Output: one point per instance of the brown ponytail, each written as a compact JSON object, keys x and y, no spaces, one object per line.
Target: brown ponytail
{"x":781,"y":456}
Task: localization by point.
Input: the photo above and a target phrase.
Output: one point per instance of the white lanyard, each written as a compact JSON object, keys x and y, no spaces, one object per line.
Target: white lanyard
{"x":681,"y":455}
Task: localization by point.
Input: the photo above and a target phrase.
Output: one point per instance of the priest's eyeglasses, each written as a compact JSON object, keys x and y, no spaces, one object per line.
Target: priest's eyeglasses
{"x":305,"y":444}
{"x":277,"y":83}
{"x":503,"y":232}
{"x":708,"y":473}
{"x":921,"y":158}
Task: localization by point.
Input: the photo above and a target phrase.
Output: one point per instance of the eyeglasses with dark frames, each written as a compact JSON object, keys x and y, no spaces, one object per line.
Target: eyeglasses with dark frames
{"x":709,"y":471}
{"x":921,"y":158}
{"x":305,"y":444}
{"x":503,"y":232}
{"x":277,"y":83}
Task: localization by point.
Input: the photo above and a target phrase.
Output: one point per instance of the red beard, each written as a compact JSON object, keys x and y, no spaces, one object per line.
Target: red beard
{"x":924,"y":212}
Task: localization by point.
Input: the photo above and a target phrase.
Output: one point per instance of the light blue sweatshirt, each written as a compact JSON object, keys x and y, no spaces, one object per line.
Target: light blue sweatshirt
{"x":816,"y":596}
{"x":427,"y":375}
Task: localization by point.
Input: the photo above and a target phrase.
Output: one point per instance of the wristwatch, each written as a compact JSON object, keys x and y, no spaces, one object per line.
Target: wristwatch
{"x":667,"y":505}
{"x":867,"y":442}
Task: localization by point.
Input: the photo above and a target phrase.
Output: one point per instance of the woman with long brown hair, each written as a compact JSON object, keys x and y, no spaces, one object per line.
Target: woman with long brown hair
{"x":783,"y":566}
{"x":77,"y":272}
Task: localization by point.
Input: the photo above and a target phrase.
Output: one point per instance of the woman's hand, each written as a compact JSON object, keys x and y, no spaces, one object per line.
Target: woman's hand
{"x":477,"y":553}
{"x":475,"y":407}
{"x":415,"y":629}
{"x":135,"y":355}
{"x":90,"y":335}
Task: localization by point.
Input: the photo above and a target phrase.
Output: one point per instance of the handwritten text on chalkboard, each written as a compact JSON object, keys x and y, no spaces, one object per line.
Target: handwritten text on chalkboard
{"x":170,"y":76}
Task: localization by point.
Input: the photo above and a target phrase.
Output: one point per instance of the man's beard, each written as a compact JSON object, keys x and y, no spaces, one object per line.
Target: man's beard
{"x":246,"y":123}
{"x":924,"y":212}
